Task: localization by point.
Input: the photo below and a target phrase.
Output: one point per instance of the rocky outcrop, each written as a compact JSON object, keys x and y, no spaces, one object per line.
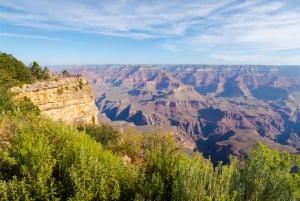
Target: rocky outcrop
{"x":69,"y":99}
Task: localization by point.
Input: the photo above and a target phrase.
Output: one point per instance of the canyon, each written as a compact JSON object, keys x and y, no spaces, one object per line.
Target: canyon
{"x":218,"y":110}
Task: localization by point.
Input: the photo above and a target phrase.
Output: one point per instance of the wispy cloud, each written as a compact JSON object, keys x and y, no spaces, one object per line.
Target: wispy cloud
{"x":222,"y":30}
{"x":250,"y":31}
{"x":129,"y":18}
{"x":256,"y":59}
{"x":28,"y":36}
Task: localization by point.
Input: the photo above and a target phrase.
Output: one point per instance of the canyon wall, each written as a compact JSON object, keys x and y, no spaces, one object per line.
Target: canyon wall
{"x":69,"y":99}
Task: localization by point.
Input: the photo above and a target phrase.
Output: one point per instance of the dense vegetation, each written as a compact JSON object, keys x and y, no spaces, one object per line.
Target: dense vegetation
{"x":39,"y":73}
{"x":13,"y":72}
{"x":46,"y":160}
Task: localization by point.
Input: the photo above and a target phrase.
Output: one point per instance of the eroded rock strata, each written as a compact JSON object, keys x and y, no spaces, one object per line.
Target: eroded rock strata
{"x":203,"y":102}
{"x":69,"y":99}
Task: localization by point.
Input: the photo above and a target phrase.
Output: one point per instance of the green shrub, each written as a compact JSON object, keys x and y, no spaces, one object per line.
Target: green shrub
{"x":267,"y":176}
{"x":6,"y":103}
{"x":13,"y":71}
{"x":49,"y":160}
{"x":26,"y":106}
{"x":104,"y":134}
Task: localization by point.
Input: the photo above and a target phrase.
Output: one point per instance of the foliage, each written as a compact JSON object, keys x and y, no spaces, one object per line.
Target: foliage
{"x":267,"y":176}
{"x":131,"y":144}
{"x":104,"y":134}
{"x":169,"y":174}
{"x":6,"y":105}
{"x":160,"y":165}
{"x":26,"y":106}
{"x":12,"y":71}
{"x":38,"y":73}
{"x":50,"y":161}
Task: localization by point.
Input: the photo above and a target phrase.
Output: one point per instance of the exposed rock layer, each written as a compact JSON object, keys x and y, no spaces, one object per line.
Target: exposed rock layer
{"x":203,"y":102}
{"x":69,"y":99}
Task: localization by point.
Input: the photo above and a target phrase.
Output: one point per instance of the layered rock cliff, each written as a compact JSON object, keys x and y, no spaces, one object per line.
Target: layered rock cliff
{"x":69,"y":99}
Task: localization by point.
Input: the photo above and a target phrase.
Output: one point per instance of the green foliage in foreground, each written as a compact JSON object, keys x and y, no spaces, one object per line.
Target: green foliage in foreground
{"x":50,"y":161}
{"x":104,"y":134}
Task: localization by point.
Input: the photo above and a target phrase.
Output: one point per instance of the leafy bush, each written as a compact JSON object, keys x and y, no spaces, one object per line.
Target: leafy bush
{"x":267,"y":176}
{"x":27,"y":106}
{"x":13,"y":71}
{"x":6,"y":104}
{"x":104,"y":134}
{"x":51,"y":161}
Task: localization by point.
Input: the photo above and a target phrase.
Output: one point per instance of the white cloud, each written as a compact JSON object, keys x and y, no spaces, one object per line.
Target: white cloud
{"x":28,"y":36}
{"x":255,"y":59}
{"x":275,"y":35}
{"x":129,"y":18}
{"x":250,"y":32}
{"x":259,"y":28}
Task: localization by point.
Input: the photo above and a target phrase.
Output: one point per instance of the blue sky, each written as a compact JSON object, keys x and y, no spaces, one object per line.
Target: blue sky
{"x":151,"y":31}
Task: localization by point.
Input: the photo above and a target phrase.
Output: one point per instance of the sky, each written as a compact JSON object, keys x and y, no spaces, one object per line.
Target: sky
{"x":56,"y":32}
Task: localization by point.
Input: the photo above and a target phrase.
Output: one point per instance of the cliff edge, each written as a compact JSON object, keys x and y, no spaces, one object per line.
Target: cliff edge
{"x":69,"y":99}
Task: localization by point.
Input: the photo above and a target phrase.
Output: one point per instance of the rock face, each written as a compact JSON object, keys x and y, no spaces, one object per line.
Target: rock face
{"x":69,"y":99}
{"x":204,"y":103}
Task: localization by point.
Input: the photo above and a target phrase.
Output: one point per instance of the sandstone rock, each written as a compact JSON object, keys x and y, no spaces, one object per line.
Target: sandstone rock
{"x":70,"y":99}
